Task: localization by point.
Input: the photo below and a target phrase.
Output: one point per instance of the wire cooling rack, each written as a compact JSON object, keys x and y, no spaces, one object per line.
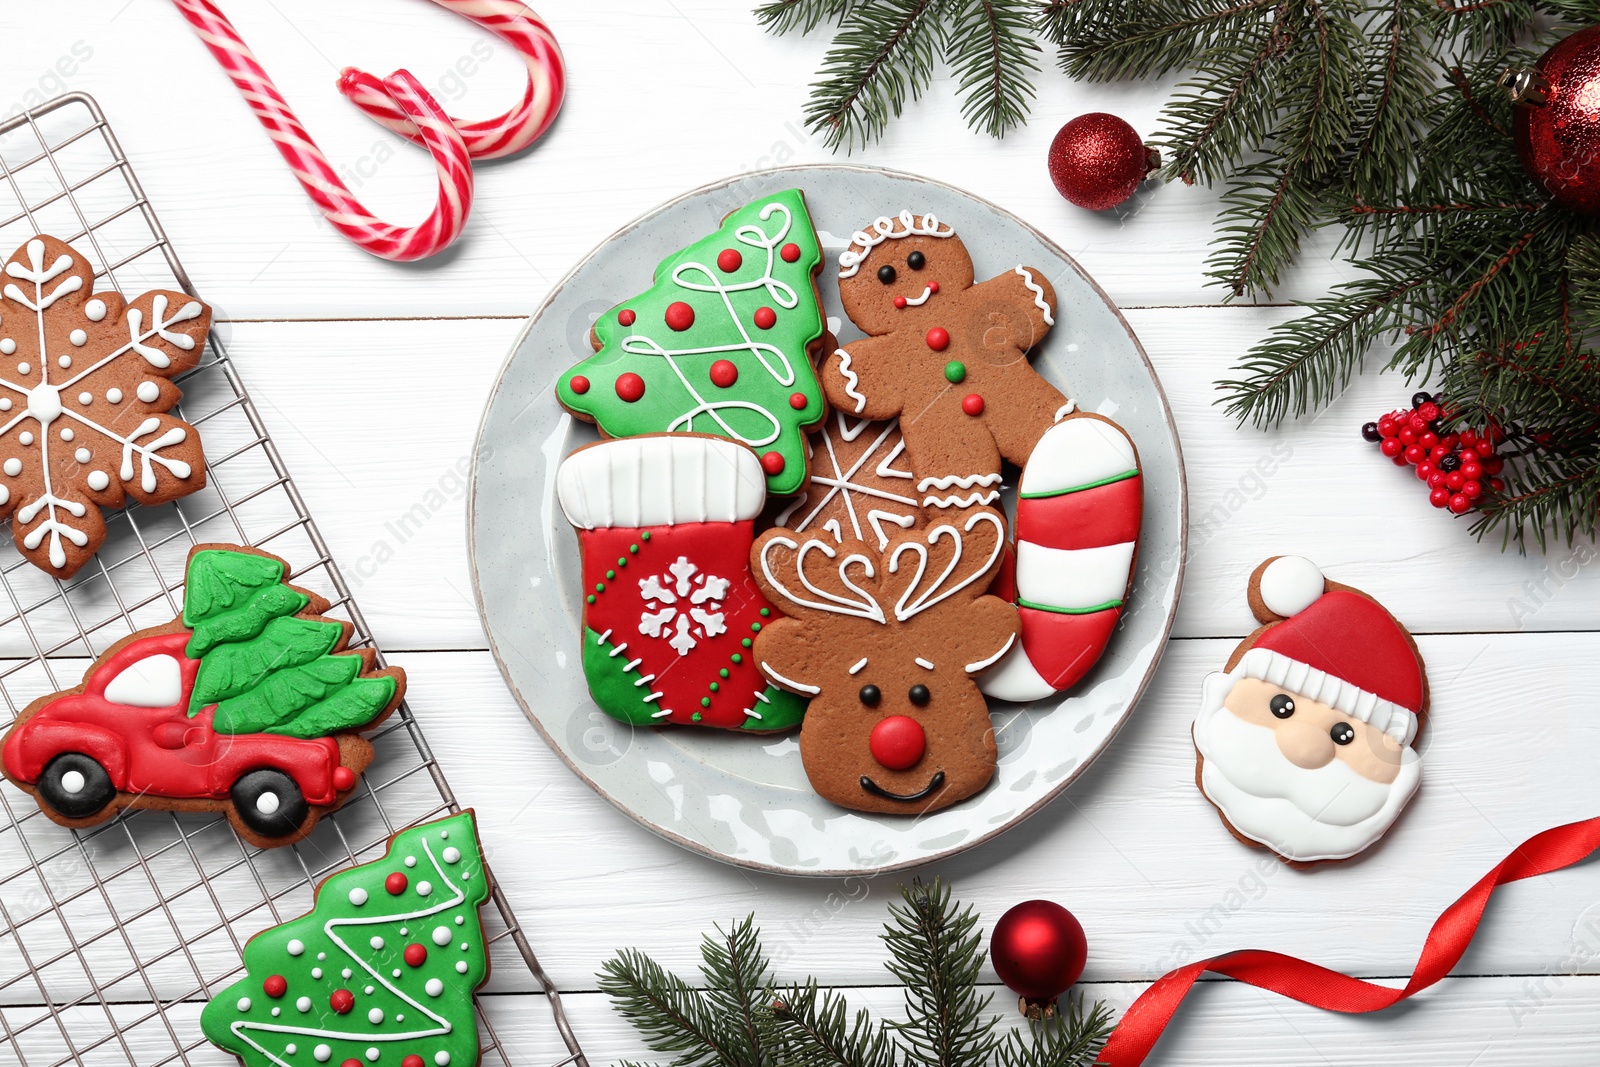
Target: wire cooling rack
{"x":111,"y":939}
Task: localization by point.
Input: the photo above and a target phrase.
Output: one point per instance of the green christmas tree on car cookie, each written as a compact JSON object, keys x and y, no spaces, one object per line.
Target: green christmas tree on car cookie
{"x":721,"y":344}
{"x":248,"y":703}
{"x":380,"y":973}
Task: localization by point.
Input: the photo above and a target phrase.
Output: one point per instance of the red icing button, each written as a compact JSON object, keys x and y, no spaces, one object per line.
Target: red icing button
{"x":898,"y":742}
{"x":275,"y":986}
{"x":579,"y":384}
{"x":416,"y":955}
{"x":899,"y":301}
{"x":630,"y":386}
{"x":680,"y":316}
{"x":729,"y":260}
{"x":933,"y":287}
{"x":798,"y":401}
{"x":790,"y":252}
{"x":412,"y":1060}
{"x":350,"y":1063}
{"x":343,"y":778}
{"x":972,"y":404}
{"x":724,"y":372}
{"x":395,"y":884}
{"x":772,"y":463}
{"x":625,"y":317}
{"x":342,"y":1001}
{"x":766,"y":318}
{"x":938,"y":338}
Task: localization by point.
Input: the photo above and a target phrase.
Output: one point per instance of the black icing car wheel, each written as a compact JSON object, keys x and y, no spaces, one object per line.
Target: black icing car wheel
{"x":269,"y":802}
{"x":76,"y":786}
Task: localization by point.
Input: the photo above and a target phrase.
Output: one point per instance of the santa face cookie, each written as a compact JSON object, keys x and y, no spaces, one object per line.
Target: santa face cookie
{"x":720,"y":344}
{"x":665,"y":523}
{"x":1304,"y":742}
{"x":85,"y":387}
{"x":887,"y":644}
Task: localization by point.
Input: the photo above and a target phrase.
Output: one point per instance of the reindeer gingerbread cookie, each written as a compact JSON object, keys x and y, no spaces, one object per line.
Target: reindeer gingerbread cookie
{"x":888,"y":645}
{"x":948,"y":357}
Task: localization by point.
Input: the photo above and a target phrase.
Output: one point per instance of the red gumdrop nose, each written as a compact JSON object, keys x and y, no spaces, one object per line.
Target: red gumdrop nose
{"x":898,"y":742}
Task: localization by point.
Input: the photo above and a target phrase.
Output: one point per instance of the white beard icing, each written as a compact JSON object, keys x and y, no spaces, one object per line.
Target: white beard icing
{"x":1328,"y":813}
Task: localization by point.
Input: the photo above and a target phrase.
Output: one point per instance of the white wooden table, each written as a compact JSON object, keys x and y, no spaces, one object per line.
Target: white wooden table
{"x":372,"y":378}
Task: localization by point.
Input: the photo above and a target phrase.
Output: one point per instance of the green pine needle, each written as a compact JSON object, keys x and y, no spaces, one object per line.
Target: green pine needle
{"x":782,"y":16}
{"x":882,"y":57}
{"x":740,"y":1020}
{"x":991,"y":52}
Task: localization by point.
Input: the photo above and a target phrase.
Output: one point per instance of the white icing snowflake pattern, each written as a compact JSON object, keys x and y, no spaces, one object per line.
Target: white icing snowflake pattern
{"x":84,"y":395}
{"x":683,"y":605}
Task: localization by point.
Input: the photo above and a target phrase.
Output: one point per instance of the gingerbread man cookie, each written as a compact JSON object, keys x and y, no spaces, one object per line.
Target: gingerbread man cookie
{"x":1304,"y":742}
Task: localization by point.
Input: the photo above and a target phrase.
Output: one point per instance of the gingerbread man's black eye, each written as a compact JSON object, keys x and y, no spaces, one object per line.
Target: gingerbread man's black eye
{"x":1342,"y":733}
{"x":920,"y":696}
{"x":886,"y":274}
{"x":1282,"y":705}
{"x":870,"y":695}
{"x":916,"y":261}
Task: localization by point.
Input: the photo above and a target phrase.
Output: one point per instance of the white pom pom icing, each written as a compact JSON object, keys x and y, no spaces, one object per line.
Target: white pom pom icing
{"x":1290,"y":585}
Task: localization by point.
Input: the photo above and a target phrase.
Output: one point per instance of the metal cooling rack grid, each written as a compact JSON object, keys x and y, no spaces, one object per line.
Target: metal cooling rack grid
{"x":111,"y":939}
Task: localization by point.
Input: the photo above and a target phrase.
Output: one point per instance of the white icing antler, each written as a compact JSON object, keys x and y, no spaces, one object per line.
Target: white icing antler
{"x":913,"y":601}
{"x":859,"y":604}
{"x":883,"y":229}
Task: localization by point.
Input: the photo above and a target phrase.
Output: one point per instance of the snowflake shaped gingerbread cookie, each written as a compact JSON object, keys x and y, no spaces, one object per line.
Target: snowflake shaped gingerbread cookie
{"x":85,"y":387}
{"x":685,"y":608}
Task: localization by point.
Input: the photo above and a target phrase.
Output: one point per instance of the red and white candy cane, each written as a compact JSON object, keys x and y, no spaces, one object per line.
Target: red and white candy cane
{"x":502,"y":135}
{"x":414,"y":113}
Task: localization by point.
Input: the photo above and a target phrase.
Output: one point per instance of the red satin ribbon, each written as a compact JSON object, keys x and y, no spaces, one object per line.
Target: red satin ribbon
{"x":1308,"y":983}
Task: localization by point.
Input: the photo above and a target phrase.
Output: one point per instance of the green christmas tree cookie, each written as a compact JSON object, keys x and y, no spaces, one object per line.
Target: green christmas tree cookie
{"x":720,"y":344}
{"x":380,"y":973}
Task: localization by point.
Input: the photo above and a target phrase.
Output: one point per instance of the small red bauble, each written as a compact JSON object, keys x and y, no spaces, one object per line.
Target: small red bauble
{"x":396,"y":884}
{"x":630,"y":387}
{"x":724,"y":372}
{"x":789,"y":252}
{"x":898,"y":742}
{"x":342,"y":1001}
{"x":1555,"y":124}
{"x":416,"y":955}
{"x":625,"y":317}
{"x":798,"y":401}
{"x":679,"y":316}
{"x":772,"y":463}
{"x":972,"y":404}
{"x":938,"y":338}
{"x":1097,"y":161}
{"x":275,"y":986}
{"x":765,"y":318}
{"x":343,"y":778}
{"x":579,"y":384}
{"x":729,"y":260}
{"x":1039,"y":950}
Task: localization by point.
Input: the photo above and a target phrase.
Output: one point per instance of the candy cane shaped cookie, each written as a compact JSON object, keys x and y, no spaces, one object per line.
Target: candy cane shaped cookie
{"x":331,"y":196}
{"x":505,"y":134}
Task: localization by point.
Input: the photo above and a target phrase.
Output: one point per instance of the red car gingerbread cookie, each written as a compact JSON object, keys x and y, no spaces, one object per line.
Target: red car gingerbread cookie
{"x":1304,"y":742}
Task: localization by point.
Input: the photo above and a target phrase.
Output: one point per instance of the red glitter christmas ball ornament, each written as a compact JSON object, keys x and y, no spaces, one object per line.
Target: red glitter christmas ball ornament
{"x":1038,"y":950}
{"x":1557,"y":121}
{"x":1097,"y":161}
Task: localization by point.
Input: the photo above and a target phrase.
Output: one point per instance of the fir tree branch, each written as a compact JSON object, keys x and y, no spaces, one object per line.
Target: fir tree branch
{"x":737,"y":976}
{"x":782,"y":16}
{"x":816,"y":1031}
{"x":882,"y":55}
{"x":992,"y":55}
{"x":1073,"y":1041}
{"x":666,"y":1010}
{"x":1103,"y":40}
{"x":937,"y":954}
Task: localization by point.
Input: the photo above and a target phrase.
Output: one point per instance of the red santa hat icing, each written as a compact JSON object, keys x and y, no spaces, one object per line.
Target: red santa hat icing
{"x":1337,"y":647}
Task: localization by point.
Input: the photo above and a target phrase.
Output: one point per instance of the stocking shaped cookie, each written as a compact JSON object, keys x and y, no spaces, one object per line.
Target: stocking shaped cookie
{"x":949,"y":358}
{"x":887,"y":645}
{"x":670,"y":611}
{"x":1304,"y":741}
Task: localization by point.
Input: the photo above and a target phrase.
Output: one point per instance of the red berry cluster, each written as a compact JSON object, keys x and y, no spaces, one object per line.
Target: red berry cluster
{"x":1460,"y":467}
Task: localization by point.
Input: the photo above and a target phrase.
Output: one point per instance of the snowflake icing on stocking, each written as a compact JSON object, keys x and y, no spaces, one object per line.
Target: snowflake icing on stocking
{"x":682,"y":604}
{"x":83,"y":409}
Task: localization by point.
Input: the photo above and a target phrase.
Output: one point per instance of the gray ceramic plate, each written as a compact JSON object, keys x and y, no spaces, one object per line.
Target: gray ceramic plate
{"x":740,"y":798}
